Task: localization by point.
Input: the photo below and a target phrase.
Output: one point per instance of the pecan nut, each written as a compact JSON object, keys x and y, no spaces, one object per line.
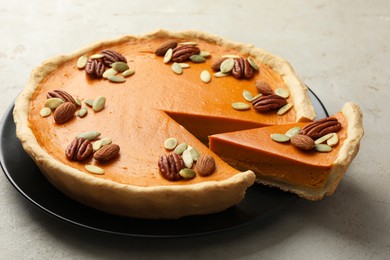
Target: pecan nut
{"x":321,"y":127}
{"x":216,"y":66}
{"x":170,"y":166}
{"x":242,"y":69}
{"x":171,"y":44}
{"x":64,"y":112}
{"x":106,"y":153}
{"x":302,"y":142}
{"x":182,"y":53}
{"x":95,"y":68}
{"x":79,"y":149}
{"x":268,"y":103}
{"x":111,"y":56}
{"x":205,"y":165}
{"x":65,"y":96}
{"x":264,"y":88}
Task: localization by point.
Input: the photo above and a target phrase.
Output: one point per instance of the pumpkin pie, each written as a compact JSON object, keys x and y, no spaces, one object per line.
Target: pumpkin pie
{"x":292,"y":167}
{"x":123,"y":125}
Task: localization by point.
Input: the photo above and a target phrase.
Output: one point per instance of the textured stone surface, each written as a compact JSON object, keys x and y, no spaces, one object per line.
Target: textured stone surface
{"x":339,"y":48}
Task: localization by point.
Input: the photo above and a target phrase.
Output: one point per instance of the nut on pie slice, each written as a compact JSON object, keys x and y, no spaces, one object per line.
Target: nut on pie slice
{"x":309,"y":171}
{"x":120,"y":125}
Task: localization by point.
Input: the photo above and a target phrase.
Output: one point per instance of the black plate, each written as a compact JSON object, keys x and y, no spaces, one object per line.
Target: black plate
{"x":260,"y":202}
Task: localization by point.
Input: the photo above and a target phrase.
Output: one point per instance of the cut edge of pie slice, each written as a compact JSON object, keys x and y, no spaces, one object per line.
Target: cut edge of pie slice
{"x":306,"y":174}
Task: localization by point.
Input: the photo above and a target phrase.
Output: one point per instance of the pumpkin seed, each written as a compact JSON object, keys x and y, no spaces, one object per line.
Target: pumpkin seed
{"x":181,"y":148}
{"x":89,"y":102}
{"x":168,"y":55}
{"x":116,"y":79}
{"x":253,"y":63}
{"x":100,"y":143}
{"x":247,"y":95}
{"x":99,"y":104}
{"x":205,"y":76}
{"x":53,"y":103}
{"x":184,"y":65}
{"x":194,"y":153}
{"x":82,"y":112}
{"x":333,"y":140}
{"x":90,"y":135}
{"x":45,"y":112}
{"x":78,"y":101}
{"x":128,"y":72}
{"x":97,"y":56}
{"x":109,"y":72}
{"x":197,"y":58}
{"x":170,"y":143}
{"x":177,"y":68}
{"x":323,"y":138}
{"x":280,"y":138}
{"x":284,"y":109}
{"x":220,"y":74}
{"x":227,"y":65}
{"x":187,"y":173}
{"x":106,"y":141}
{"x":323,"y":148}
{"x":120,"y":66}
{"x":282,"y":92}
{"x":232,"y":56}
{"x":94,"y":169}
{"x":187,"y":158}
{"x":189,"y":43}
{"x":256,"y":97}
{"x":240,"y":106}
{"x":293,"y":131}
{"x":82,"y":62}
{"x":205,"y":54}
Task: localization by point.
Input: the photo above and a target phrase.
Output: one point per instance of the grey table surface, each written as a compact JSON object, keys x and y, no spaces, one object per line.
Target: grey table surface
{"x":341,"y":49}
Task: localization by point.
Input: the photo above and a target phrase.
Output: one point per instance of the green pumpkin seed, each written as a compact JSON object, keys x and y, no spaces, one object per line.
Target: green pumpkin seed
{"x":109,"y":72}
{"x":90,"y":135}
{"x":284,"y":109}
{"x":197,"y":58}
{"x":128,"y":73}
{"x":53,"y":103}
{"x":181,"y":148}
{"x":187,"y":173}
{"x":247,"y":95}
{"x":97,"y":56}
{"x":82,"y":112}
{"x":253,"y":63}
{"x":280,"y":138}
{"x":78,"y":102}
{"x":324,"y":138}
{"x":333,"y":140}
{"x":177,"y":68}
{"x":82,"y":62}
{"x":45,"y":112}
{"x":227,"y":65}
{"x":100,"y":143}
{"x":257,"y":96}
{"x":293,"y":131}
{"x":231,"y":56}
{"x":282,"y":92}
{"x":194,"y":153}
{"x":240,"y":106}
{"x":323,"y":148}
{"x":189,"y":43}
{"x":205,"y":76}
{"x":94,"y":169}
{"x":168,"y":56}
{"x":205,"y":54}
{"x":187,"y":158}
{"x":120,"y":66}
{"x":184,"y":65}
{"x":116,"y":79}
{"x":99,"y":104}
{"x":220,"y":74}
{"x":170,"y":143}
{"x":89,"y":102}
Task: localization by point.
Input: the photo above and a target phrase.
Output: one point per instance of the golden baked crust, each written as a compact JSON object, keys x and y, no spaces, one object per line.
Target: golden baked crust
{"x":158,"y":201}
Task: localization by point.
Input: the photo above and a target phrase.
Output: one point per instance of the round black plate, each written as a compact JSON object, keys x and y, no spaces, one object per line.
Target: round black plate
{"x":260,"y":202}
